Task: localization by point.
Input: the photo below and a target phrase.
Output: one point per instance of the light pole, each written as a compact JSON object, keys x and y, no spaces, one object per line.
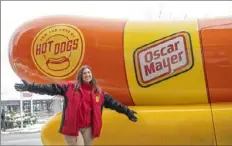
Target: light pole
{"x":21,"y":108}
{"x":31,"y":105}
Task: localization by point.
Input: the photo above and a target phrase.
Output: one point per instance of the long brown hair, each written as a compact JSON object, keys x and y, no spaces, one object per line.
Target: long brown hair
{"x":80,"y":80}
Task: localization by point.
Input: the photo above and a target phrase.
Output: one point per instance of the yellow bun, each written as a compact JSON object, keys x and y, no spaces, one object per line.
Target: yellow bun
{"x":58,"y":64}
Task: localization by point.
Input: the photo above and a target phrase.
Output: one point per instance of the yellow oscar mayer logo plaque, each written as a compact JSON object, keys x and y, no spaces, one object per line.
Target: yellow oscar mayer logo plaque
{"x":162,"y":59}
{"x":58,"y":50}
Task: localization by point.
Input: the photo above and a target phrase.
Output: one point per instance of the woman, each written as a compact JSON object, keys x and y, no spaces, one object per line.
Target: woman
{"x":3,"y":120}
{"x":83,"y":104}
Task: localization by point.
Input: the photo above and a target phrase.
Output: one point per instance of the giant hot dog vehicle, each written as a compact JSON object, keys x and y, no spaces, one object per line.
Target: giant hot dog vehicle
{"x":177,"y":75}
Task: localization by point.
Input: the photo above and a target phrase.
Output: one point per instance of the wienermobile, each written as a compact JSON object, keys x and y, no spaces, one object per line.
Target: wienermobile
{"x":177,"y":75}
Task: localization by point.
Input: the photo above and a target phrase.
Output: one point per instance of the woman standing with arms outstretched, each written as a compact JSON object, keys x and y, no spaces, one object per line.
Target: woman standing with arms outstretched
{"x":83,"y":104}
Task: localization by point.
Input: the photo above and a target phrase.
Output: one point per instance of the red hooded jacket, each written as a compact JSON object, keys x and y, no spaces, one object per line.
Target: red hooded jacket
{"x":70,"y":122}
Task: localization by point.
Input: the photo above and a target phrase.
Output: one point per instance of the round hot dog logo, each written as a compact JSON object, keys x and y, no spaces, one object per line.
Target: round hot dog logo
{"x":58,"y":50}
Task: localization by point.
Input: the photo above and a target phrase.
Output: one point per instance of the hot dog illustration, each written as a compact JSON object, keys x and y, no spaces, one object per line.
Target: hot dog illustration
{"x":58,"y":64}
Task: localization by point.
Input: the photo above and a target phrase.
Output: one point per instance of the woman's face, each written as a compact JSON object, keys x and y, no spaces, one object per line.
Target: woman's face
{"x":87,"y":75}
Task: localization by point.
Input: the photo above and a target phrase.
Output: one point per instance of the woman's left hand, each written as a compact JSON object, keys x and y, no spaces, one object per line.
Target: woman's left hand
{"x":131,"y":115}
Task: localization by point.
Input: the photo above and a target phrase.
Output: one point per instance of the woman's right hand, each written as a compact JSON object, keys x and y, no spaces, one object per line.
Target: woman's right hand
{"x":22,"y":86}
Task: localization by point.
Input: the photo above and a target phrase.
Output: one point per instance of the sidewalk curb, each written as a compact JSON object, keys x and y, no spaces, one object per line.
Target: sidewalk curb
{"x":21,"y":132}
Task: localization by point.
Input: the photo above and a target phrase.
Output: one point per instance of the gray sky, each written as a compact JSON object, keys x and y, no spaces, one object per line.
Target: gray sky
{"x":14,"y":14}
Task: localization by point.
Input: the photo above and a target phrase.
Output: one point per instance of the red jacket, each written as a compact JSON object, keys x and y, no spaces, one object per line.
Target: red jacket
{"x":86,"y":108}
{"x":69,"y":122}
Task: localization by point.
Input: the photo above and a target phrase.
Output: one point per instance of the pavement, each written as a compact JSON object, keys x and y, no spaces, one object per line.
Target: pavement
{"x":21,"y":139}
{"x":29,"y":135}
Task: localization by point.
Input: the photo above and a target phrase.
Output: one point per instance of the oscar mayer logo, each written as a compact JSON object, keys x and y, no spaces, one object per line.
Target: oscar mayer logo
{"x":58,"y":50}
{"x":163,"y":59}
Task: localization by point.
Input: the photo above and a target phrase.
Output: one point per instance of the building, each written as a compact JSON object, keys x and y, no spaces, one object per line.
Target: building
{"x":42,"y":104}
